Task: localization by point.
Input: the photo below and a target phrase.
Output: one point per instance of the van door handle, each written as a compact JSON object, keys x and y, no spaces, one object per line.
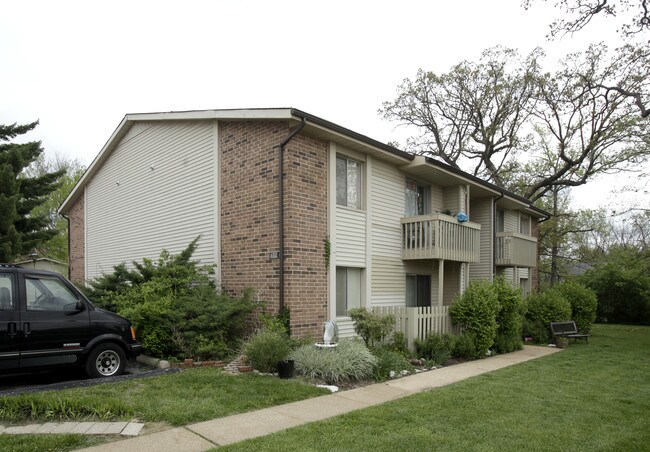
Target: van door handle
{"x":26,"y":329}
{"x":11,"y":329}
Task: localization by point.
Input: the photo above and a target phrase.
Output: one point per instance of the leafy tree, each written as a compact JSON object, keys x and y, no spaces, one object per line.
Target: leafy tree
{"x":633,"y":58}
{"x":57,"y":246}
{"x":21,"y":229}
{"x":472,"y":113}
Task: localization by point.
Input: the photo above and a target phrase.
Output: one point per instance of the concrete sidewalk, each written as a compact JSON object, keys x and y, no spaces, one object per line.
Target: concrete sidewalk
{"x":227,"y":430}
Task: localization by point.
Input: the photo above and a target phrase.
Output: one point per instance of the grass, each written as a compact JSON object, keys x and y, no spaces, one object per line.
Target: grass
{"x":190,"y":396}
{"x":592,"y":396}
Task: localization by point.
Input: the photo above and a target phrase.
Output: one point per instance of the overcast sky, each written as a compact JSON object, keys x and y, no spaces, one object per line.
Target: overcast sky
{"x":80,"y":66}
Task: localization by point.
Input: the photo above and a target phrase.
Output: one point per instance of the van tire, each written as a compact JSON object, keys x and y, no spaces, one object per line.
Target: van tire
{"x":106,"y":360}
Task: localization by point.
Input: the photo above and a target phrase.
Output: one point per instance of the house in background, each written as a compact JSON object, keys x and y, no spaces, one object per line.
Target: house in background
{"x":45,"y":263}
{"x":313,"y":216}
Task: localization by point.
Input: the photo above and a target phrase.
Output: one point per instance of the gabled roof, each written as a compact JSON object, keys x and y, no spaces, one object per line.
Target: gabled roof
{"x":314,"y":126}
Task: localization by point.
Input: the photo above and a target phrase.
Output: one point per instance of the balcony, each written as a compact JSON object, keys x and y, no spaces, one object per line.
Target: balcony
{"x":440,"y":236}
{"x":515,"y":250}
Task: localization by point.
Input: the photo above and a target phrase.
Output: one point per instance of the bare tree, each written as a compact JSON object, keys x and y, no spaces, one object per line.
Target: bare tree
{"x":471,"y":114}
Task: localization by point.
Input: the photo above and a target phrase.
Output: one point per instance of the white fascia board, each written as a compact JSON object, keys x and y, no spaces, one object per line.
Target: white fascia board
{"x":270,"y":113}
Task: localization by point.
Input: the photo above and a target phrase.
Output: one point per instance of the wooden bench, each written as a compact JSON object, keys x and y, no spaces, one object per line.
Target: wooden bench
{"x":568,"y":329}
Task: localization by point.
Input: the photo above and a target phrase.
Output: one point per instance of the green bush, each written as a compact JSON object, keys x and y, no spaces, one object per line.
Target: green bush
{"x":509,"y":317}
{"x":465,"y":346}
{"x":265,"y":348}
{"x":373,"y":328}
{"x":175,"y":307}
{"x":475,"y":311}
{"x":436,"y":347}
{"x":351,"y":360}
{"x":583,"y":303}
{"x":389,"y":361}
{"x":622,"y":286}
{"x":542,"y":309}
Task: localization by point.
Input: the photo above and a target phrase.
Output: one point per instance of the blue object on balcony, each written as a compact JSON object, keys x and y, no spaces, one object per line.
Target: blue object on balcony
{"x":462,"y":217}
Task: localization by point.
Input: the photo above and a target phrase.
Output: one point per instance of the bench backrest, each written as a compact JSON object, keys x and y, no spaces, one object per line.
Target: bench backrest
{"x":560,"y":328}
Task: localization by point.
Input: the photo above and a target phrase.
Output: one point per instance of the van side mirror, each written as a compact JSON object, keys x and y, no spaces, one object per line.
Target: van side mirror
{"x":80,"y":306}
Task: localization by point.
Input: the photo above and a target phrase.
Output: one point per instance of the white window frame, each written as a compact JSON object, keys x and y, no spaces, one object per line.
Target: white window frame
{"x":359,"y":184}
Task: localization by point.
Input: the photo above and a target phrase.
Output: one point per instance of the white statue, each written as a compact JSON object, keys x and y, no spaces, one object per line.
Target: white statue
{"x":330,"y":328}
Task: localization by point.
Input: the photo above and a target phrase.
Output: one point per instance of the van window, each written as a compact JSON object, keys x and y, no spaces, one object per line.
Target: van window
{"x":48,"y":294}
{"x":6,"y":292}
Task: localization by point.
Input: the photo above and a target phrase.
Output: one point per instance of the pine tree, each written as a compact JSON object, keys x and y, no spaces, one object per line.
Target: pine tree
{"x":20,"y":229}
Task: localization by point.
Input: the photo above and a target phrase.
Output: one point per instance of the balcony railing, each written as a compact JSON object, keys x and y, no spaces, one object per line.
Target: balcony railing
{"x":515,"y":250}
{"x":440,"y":236}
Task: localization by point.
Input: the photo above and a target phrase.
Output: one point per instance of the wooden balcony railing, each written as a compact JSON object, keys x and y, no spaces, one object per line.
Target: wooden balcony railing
{"x":515,"y":250}
{"x":440,"y":236}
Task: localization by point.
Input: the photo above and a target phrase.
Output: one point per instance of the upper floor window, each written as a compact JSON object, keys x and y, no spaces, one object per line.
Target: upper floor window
{"x":418,"y":198}
{"x":348,"y":182}
{"x":524,"y":224}
{"x":501,"y":220}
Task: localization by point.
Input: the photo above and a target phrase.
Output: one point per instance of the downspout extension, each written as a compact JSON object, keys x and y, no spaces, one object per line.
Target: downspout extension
{"x":281,"y":208}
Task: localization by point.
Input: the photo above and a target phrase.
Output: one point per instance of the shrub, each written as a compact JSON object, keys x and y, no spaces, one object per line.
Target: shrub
{"x":436,"y":347}
{"x":175,"y":307}
{"x":265,"y":348}
{"x":465,"y":346}
{"x":509,"y":317}
{"x":475,"y":311}
{"x":583,"y":303}
{"x":542,"y":309}
{"x":373,"y":328}
{"x":398,"y":344}
{"x":389,"y":361}
{"x":351,"y":360}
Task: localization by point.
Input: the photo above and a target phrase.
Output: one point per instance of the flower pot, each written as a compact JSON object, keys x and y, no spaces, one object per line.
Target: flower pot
{"x":285,"y":369}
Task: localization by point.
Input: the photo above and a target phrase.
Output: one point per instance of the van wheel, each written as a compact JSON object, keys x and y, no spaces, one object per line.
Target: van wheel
{"x":106,"y":360}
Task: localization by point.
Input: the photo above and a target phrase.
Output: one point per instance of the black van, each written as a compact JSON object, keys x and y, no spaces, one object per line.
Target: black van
{"x":45,"y":322}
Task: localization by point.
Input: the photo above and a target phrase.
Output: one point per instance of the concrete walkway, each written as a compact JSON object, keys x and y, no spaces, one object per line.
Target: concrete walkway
{"x":227,"y":430}
{"x":83,"y":428}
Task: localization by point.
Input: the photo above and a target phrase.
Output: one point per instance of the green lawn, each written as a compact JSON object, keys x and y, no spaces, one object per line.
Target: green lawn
{"x":592,"y":396}
{"x":182,"y":398}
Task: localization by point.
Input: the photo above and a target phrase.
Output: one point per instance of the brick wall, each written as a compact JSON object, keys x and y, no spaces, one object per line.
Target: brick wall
{"x":250,"y":215}
{"x":77,"y":244}
{"x":305,"y":234}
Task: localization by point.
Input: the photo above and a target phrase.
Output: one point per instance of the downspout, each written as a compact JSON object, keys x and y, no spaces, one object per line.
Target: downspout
{"x":281,"y":208}
{"x":494,"y":237}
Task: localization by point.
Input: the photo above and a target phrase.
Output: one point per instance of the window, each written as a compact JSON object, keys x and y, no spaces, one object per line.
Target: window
{"x":348,"y":183}
{"x":418,"y":199}
{"x":45,"y":294}
{"x":348,"y":290}
{"x":501,"y":220}
{"x":6,"y":292}
{"x":418,"y":291}
{"x":524,"y":224}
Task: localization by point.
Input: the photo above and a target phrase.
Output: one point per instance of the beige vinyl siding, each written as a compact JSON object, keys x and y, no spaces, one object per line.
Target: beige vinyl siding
{"x":481,"y":212}
{"x":156,"y":190}
{"x":388,"y":276}
{"x":350,"y":237}
{"x":451,"y":199}
{"x":511,"y":221}
{"x":451,"y":286}
{"x":437,"y":204}
{"x":345,"y":327}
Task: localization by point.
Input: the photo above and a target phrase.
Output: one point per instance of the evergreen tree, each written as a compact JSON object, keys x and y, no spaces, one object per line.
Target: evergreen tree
{"x":20,"y":229}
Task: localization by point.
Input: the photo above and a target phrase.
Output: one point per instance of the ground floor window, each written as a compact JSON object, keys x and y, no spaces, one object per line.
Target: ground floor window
{"x":348,"y":289}
{"x":418,"y":291}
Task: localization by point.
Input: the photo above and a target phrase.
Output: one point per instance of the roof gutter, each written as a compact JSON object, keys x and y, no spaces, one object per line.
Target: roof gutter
{"x":281,"y":206}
